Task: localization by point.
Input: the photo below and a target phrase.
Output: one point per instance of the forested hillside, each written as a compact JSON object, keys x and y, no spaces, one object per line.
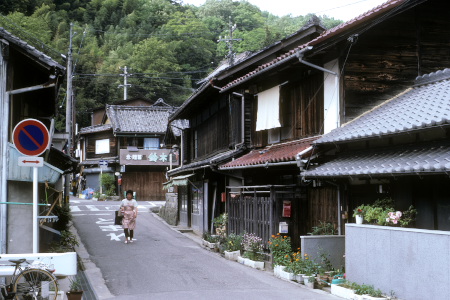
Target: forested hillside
{"x":166,"y":45}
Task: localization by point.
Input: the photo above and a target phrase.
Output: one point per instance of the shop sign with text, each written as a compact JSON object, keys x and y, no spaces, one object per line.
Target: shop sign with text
{"x":159,"y":157}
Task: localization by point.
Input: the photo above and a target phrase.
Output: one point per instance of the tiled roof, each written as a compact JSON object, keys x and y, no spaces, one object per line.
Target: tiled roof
{"x":178,"y":125}
{"x":207,"y":162}
{"x":30,"y":49}
{"x":138,"y":119}
{"x":283,"y":152}
{"x":422,"y":159}
{"x":95,"y":128}
{"x":340,"y":29}
{"x":425,"y":105}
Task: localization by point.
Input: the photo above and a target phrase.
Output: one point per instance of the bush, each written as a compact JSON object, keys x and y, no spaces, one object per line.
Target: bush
{"x":324,"y":228}
{"x":253,"y":247}
{"x":281,"y":249}
{"x":67,"y":242}
{"x":233,"y":242}
{"x":109,"y":183}
{"x":64,"y":217}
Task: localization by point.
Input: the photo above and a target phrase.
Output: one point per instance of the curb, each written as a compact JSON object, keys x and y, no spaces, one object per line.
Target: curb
{"x":91,"y":271}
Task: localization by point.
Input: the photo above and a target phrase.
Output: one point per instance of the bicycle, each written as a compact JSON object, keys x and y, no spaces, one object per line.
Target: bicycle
{"x":31,"y":282}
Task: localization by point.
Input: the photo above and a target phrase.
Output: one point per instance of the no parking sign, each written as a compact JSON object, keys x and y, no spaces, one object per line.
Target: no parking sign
{"x":31,"y":137}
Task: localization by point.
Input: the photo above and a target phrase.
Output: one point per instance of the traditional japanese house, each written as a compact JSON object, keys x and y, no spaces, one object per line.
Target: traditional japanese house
{"x":130,"y":141}
{"x":328,"y":81}
{"x":221,"y":129}
{"x":398,"y":150}
{"x":29,"y":83}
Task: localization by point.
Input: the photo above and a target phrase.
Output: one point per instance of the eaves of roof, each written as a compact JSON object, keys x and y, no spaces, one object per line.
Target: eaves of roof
{"x":428,"y":158}
{"x":95,"y":128}
{"x":191,"y":98}
{"x":328,"y":35}
{"x":209,"y":162}
{"x":32,"y":51}
{"x":274,"y":154}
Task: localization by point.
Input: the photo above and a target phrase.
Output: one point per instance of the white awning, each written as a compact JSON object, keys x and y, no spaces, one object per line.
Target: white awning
{"x":268,"y":115}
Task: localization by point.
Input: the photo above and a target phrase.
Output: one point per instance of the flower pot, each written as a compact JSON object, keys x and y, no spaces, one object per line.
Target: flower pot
{"x":241,"y":260}
{"x":367,"y":297}
{"x":299,"y":278}
{"x":309,"y":283}
{"x":74,"y":295}
{"x":277,"y":269}
{"x":286,"y":275}
{"x":359,"y":219}
{"x":342,"y":292}
{"x":232,"y":255}
{"x":254,"y":264}
{"x":358,"y":297}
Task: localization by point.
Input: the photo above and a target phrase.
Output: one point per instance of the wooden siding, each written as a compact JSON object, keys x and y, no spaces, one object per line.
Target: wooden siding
{"x":322,"y":206}
{"x":386,"y":60}
{"x":301,"y":111}
{"x":147,"y":185}
{"x":235,"y":124}
{"x":90,"y":144}
{"x":212,"y":134}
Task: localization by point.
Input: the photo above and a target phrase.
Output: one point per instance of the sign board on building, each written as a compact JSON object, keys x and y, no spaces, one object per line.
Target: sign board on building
{"x":157,"y":157}
{"x":31,"y":137}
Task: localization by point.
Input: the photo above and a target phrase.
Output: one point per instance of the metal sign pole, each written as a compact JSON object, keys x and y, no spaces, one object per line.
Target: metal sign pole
{"x":35,"y":210}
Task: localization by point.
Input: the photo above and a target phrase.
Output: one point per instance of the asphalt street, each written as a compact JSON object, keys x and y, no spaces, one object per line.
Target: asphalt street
{"x":164,"y":263}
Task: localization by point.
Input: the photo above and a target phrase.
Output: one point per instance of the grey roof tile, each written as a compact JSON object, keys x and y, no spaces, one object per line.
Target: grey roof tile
{"x":425,"y":105}
{"x":423,"y":158}
{"x":138,"y":119}
{"x":95,"y":128}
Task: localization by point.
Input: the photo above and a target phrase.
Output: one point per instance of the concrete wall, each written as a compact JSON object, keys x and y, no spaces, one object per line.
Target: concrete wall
{"x":332,"y":245}
{"x":413,"y":263}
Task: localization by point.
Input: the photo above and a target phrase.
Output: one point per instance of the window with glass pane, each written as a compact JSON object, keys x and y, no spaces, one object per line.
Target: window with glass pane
{"x":197,"y":197}
{"x":151,"y":143}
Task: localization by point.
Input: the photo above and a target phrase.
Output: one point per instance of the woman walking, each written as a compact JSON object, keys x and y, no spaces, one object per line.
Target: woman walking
{"x":129,"y":210}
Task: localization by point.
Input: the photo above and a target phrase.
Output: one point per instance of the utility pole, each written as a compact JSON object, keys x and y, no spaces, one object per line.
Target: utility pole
{"x":125,"y":84}
{"x":229,"y":42}
{"x":69,"y":111}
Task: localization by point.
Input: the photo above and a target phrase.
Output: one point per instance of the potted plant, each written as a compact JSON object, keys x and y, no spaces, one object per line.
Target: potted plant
{"x":359,"y":213}
{"x":233,"y":246}
{"x":75,"y":289}
{"x":253,"y":251}
{"x":281,"y":249}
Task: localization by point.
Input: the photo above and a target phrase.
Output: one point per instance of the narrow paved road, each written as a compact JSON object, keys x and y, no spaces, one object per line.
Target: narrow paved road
{"x":163,"y":263}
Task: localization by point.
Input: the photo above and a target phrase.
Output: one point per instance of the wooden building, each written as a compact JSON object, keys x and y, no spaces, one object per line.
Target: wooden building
{"x":130,"y":140}
{"x":222,"y":128}
{"x":287,"y":99}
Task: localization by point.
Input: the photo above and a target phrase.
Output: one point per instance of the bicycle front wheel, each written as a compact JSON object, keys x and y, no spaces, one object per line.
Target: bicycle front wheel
{"x":35,"y":284}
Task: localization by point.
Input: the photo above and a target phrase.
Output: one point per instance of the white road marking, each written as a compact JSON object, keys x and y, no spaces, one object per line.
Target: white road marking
{"x":109,"y":228}
{"x":74,"y":208}
{"x":104,"y":221}
{"x":115,"y":237}
{"x":92,"y":207}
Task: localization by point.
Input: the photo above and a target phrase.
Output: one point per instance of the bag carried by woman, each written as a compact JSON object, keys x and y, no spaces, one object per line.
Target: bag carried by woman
{"x":118,"y":217}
